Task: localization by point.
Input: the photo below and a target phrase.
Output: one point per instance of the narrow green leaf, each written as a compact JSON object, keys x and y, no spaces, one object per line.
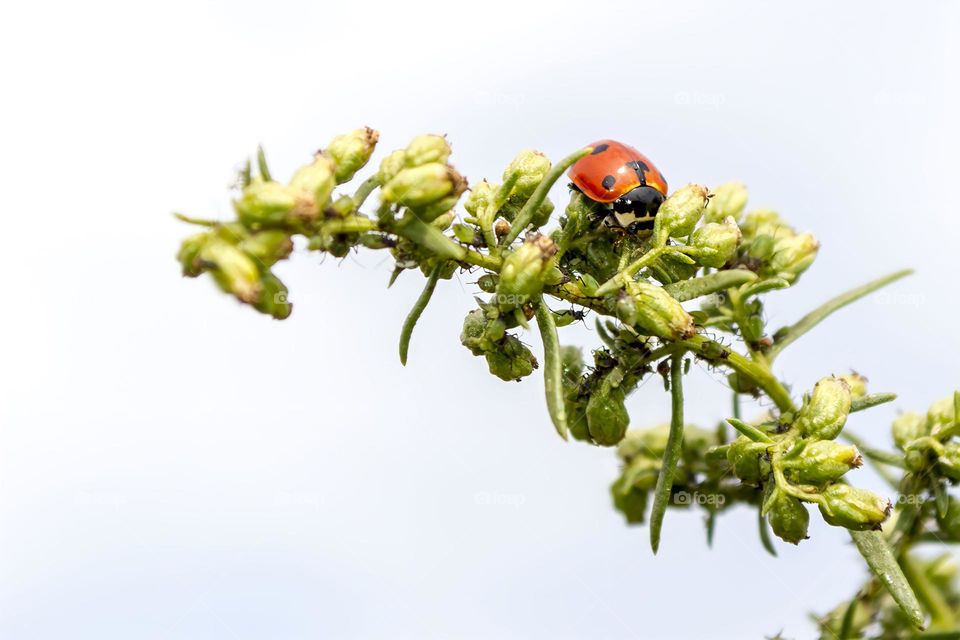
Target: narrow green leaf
{"x":749,"y":430}
{"x":671,"y":454}
{"x":818,"y":315}
{"x":846,"y":626}
{"x":262,"y":165}
{"x":526,"y":214}
{"x":552,"y":368}
{"x":882,"y":563}
{"x":417,"y":311}
{"x":871,"y":400}
{"x":705,"y":285}
{"x":768,"y":284}
{"x":765,"y":534}
{"x":711,"y":526}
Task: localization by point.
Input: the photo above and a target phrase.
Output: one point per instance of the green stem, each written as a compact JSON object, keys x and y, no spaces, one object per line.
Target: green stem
{"x":350,"y":224}
{"x":417,"y":311}
{"x":526,"y":214}
{"x":552,"y":368}
{"x":704,"y":285}
{"x":365,"y":189}
{"x":432,"y":239}
{"x":671,"y":454}
{"x":818,"y":315}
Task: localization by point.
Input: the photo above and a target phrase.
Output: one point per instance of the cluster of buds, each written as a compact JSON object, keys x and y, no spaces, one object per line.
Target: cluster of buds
{"x":485,"y":334}
{"x":773,"y":248}
{"x":802,"y":462}
{"x":420,"y":178}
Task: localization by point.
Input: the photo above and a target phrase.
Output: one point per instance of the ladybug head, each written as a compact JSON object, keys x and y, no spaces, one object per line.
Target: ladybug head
{"x":643,"y":202}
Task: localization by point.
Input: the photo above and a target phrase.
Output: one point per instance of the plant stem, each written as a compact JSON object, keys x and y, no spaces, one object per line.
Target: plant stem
{"x":417,"y":310}
{"x":671,"y":454}
{"x":365,"y":189}
{"x":552,"y":368}
{"x":815,"y":317}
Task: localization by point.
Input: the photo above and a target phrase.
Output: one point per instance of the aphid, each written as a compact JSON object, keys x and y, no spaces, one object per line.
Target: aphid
{"x":618,"y":175}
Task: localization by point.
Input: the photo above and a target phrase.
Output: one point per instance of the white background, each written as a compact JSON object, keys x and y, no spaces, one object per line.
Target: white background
{"x":175,"y":466}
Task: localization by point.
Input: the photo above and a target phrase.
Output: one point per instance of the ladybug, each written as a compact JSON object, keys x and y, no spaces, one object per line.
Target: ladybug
{"x":618,"y":175}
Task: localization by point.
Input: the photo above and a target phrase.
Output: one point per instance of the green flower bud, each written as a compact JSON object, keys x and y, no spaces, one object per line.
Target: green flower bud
{"x":479,"y":333}
{"x":268,"y":246}
{"x":351,"y":151}
{"x":531,"y":167}
{"x":524,"y":272}
{"x":949,"y":462}
{"x":853,"y":508}
{"x":391,"y":166}
{"x":233,"y":270}
{"x":787,"y":516}
{"x":727,"y":200}
{"x":823,"y":416}
{"x":857,"y":384}
{"x":607,"y":417}
{"x":717,"y":241}
{"x":481,"y":197}
{"x":189,"y":254}
{"x":424,"y":185}
{"x":907,"y":427}
{"x":629,"y":500}
{"x":511,"y":360}
{"x":822,"y":461}
{"x":314,"y":183}
{"x":950,"y":521}
{"x":793,"y":255}
{"x":268,"y":203}
{"x":941,"y":412}
{"x":426,"y":149}
{"x":680,"y":213}
{"x":659,"y":313}
{"x":749,"y":460}
{"x":764,"y":222}
{"x":273,"y":298}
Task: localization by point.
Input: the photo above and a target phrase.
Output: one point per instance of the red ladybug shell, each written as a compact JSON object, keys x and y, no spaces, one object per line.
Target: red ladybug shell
{"x":612,"y":170}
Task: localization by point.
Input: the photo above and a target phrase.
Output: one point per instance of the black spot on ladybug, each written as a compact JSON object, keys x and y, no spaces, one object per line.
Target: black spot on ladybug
{"x":608,"y":182}
{"x":600,"y":148}
{"x":640,"y":168}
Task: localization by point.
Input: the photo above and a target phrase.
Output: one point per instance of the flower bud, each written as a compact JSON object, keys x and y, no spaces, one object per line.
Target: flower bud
{"x":189,"y":254}
{"x":787,"y":516}
{"x":857,"y":384}
{"x":907,"y":427}
{"x":629,"y":500}
{"x":822,"y":461}
{"x":679,"y":213}
{"x":479,"y":333}
{"x":426,"y":149}
{"x":749,"y":460}
{"x":480,"y":197}
{"x":727,"y":200}
{"x":531,"y":168}
{"x":268,"y":246}
{"x":351,"y":151}
{"x":391,"y":166}
{"x":853,"y":508}
{"x":273,"y":298}
{"x":717,"y":242}
{"x":421,"y":186}
{"x":950,"y":521}
{"x":793,"y":255}
{"x":607,"y":418}
{"x":823,"y":416}
{"x":314,"y":184}
{"x":765,"y":222}
{"x":949,"y":462}
{"x":524,"y":271}
{"x":658,"y":312}
{"x":511,"y":360}
{"x":262,"y":202}
{"x":941,"y":412}
{"x":233,"y":270}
